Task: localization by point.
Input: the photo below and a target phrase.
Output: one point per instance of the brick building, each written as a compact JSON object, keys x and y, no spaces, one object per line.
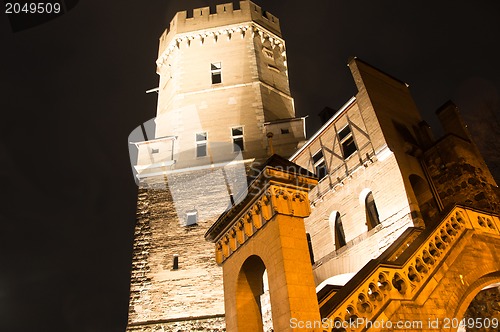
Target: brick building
{"x":370,"y":218}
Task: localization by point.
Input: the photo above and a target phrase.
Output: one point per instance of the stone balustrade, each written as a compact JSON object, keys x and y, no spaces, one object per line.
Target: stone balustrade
{"x":405,"y":272}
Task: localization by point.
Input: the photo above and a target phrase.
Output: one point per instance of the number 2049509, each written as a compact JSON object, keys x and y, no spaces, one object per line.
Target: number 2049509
{"x":32,"y":8}
{"x":475,"y":323}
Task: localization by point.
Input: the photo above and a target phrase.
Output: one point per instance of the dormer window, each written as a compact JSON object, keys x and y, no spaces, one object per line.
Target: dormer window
{"x":347,"y":141}
{"x":319,"y":164}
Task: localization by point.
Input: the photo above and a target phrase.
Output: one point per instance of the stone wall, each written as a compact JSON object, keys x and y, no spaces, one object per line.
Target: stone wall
{"x":159,"y":292}
{"x":460,"y":175}
{"x":204,"y":324}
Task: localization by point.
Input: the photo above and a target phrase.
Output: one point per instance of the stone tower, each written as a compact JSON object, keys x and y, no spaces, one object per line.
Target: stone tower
{"x":223,"y":103}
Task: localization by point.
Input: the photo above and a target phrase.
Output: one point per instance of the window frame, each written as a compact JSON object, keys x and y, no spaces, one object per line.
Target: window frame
{"x":242,"y":137}
{"x":343,"y":142}
{"x":319,"y":164}
{"x":340,"y":240}
{"x":199,"y":143}
{"x":372,"y":215}
{"x":216,"y":71}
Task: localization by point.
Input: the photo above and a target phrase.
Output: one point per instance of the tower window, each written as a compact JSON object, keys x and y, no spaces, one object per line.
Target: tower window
{"x":155,"y":150}
{"x":201,"y":144}
{"x":372,"y":218}
{"x":285,"y":131}
{"x":319,"y":164}
{"x":237,"y":137}
{"x":347,"y":141}
{"x":175,"y":262}
{"x":216,"y":71}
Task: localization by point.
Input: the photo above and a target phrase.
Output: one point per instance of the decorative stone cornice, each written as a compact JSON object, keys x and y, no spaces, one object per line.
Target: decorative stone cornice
{"x":276,"y":190}
{"x":203,"y":37}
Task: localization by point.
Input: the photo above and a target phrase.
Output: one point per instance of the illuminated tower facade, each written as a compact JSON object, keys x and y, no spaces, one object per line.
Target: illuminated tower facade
{"x":223,"y":103}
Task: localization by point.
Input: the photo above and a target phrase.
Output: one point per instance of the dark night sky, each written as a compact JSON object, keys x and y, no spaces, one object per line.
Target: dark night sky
{"x":74,"y":88}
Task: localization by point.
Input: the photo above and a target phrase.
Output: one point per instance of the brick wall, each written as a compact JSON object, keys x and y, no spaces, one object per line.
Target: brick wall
{"x":461,"y":175}
{"x":157,"y":291}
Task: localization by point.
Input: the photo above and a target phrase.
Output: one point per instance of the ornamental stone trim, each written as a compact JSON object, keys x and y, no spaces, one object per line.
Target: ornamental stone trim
{"x":275,"y":191}
{"x":275,"y":200}
{"x":214,"y":35}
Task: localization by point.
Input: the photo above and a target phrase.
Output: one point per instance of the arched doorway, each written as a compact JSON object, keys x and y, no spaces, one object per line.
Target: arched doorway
{"x":252,"y":297}
{"x":483,"y":312}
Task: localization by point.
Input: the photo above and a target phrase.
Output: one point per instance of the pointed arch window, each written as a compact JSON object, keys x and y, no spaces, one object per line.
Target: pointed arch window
{"x":338,"y":230}
{"x":372,"y":217}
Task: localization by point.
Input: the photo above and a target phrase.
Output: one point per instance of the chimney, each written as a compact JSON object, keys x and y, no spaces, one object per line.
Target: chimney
{"x":451,"y":121}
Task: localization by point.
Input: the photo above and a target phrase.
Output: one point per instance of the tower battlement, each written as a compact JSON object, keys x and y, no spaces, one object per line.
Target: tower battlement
{"x":225,"y":14}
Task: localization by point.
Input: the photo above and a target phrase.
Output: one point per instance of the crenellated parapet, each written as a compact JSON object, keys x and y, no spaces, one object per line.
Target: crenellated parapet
{"x":215,"y":35}
{"x":275,"y":191}
{"x":200,"y":25}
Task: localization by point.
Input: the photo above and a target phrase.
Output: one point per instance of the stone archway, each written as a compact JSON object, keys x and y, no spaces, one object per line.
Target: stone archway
{"x":249,"y":288}
{"x":481,"y":304}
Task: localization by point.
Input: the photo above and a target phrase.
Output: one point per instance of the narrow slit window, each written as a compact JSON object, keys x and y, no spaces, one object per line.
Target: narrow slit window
{"x":216,"y":71}
{"x":309,"y":245}
{"x":347,"y":142}
{"x":201,"y":144}
{"x":175,"y":262}
{"x":237,"y":138}
{"x":319,"y":164}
